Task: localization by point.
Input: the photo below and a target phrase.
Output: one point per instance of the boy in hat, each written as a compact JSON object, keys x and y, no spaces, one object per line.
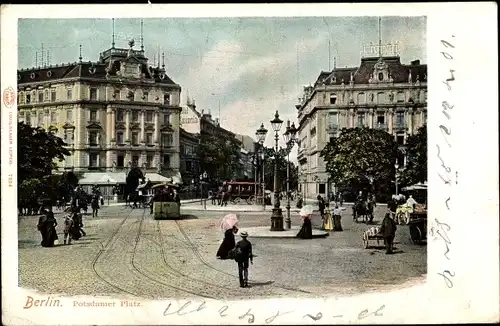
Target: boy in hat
{"x":243,"y":255}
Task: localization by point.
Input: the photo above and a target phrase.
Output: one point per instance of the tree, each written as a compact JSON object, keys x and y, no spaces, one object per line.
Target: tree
{"x":219,"y":155}
{"x":282,"y":156}
{"x":37,"y":150}
{"x":359,"y":154}
{"x":416,"y":160}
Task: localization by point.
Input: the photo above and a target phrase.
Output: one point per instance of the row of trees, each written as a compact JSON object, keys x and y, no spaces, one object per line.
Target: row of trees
{"x":37,"y":152}
{"x":360,"y":158}
{"x":220,"y":157}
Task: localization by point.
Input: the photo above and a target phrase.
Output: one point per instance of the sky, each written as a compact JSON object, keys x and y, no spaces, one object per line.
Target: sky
{"x":251,"y":66}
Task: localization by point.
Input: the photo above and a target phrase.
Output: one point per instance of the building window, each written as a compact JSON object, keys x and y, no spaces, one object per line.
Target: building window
{"x":149,"y":138}
{"x":361,"y":98}
{"x":166,"y":119}
{"x":93,"y":94}
{"x":361,"y":120}
{"x":149,"y":160}
{"x":166,"y":161}
{"x":40,"y":119}
{"x":333,"y":119}
{"x":380,"y":97}
{"x":135,"y":138}
{"x":166,"y":99}
{"x":400,"y":118}
{"x":145,"y":96}
{"x":135,"y":116}
{"x":119,"y":115}
{"x":322,"y":188}
{"x":28,"y":119}
{"x":135,"y":160}
{"x":332,"y":139}
{"x":93,"y":115}
{"x":53,"y":117}
{"x":69,"y":94}
{"x":380,"y":119}
{"x":94,"y":160}
{"x":68,"y":136}
{"x":119,"y":137}
{"x":166,"y":140}
{"x":40,"y":97}
{"x":69,"y":115}
{"x":28,"y":98}
{"x":46,"y":99}
{"x":120,"y":161}
{"x":53,"y":95}
{"x":333,"y":98}
{"x":149,"y":116}
{"x":401,"y":97}
{"x":380,"y":76}
{"x":400,"y":139}
{"x":93,"y":138}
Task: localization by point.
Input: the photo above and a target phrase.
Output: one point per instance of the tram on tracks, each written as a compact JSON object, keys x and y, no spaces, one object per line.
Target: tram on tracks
{"x":245,"y":191}
{"x":166,"y":201}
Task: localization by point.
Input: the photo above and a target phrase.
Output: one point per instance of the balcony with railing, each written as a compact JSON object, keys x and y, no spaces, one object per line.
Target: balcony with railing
{"x":381,"y":126}
{"x":333,"y":128}
{"x":399,"y":125}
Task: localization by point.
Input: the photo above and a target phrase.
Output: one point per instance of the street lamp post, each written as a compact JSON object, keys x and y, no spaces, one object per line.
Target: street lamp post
{"x":289,"y":136}
{"x":397,"y":168}
{"x":277,"y":216}
{"x":203,"y":176}
{"x":108,"y":192}
{"x":261,"y":136}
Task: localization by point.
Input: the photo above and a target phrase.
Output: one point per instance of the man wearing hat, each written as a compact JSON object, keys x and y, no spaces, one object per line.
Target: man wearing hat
{"x":243,"y":255}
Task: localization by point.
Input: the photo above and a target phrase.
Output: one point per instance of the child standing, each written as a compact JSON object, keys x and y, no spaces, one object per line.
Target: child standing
{"x":68,"y":224}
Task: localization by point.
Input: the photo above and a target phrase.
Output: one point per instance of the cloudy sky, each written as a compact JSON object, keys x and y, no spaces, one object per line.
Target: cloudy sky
{"x":248,"y":64}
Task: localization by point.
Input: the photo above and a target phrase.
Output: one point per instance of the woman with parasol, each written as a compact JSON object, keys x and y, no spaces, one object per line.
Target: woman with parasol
{"x":306,"y":229}
{"x":229,"y":226}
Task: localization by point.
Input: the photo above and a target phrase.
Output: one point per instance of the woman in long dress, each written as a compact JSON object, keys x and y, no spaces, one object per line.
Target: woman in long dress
{"x":228,"y":243}
{"x":306,"y":229}
{"x":327,"y":220}
{"x":47,"y":227}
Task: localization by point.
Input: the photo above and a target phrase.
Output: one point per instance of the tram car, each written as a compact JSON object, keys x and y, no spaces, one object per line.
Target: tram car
{"x":166,"y":202}
{"x":245,"y":191}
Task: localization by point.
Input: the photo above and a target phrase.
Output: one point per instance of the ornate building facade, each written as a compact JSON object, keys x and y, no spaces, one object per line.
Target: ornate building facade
{"x":116,"y":113}
{"x":381,"y":93}
{"x":190,"y":160}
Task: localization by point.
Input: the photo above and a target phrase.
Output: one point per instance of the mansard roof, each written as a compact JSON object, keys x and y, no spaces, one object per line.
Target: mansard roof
{"x":361,"y":75}
{"x":107,"y":64}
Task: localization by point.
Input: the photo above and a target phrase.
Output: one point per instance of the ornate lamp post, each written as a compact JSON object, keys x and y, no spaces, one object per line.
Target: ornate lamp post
{"x":397,"y":169}
{"x":203,"y":177}
{"x":290,"y":138}
{"x":109,"y":189}
{"x":261,"y":137}
{"x":277,"y":216}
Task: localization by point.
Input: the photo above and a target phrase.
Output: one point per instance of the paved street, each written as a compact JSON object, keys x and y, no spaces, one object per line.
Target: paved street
{"x":126,"y":252}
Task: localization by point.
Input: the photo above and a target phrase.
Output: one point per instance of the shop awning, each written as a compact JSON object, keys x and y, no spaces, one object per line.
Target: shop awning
{"x":101,"y":178}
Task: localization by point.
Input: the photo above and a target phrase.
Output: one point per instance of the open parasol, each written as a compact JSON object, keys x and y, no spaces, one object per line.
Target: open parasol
{"x":229,"y":221}
{"x":307,"y":210}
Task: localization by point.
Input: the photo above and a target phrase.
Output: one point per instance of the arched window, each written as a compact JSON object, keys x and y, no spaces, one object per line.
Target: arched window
{"x":380,"y":97}
{"x":361,"y":98}
{"x":380,"y":76}
{"x":333,"y":98}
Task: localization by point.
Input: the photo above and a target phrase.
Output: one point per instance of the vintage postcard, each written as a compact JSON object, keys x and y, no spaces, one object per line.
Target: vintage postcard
{"x":249,"y":164}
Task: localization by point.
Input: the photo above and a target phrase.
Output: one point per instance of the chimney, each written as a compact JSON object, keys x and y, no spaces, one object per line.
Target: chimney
{"x":415,"y":63}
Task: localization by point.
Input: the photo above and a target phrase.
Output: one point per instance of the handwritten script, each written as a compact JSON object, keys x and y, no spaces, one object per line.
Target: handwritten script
{"x":441,"y":229}
{"x":251,"y":315}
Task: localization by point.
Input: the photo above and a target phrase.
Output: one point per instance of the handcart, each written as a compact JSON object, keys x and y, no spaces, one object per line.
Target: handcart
{"x":372,"y":234}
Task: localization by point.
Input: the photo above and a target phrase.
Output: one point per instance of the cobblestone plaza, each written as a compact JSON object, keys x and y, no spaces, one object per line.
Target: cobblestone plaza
{"x":127,"y":253}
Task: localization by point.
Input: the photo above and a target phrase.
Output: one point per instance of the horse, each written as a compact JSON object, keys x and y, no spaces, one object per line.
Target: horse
{"x":364,"y":210}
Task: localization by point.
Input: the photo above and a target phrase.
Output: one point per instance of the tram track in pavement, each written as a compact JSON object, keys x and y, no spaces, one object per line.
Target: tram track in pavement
{"x":101,"y":252}
{"x":193,"y":247}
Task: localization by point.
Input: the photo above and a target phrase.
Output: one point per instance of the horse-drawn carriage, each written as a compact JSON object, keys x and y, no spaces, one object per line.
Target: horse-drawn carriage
{"x":364,"y":210}
{"x":415,"y":216}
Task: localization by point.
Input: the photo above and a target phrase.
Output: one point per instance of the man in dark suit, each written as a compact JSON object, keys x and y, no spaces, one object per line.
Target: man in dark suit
{"x":388,"y":230}
{"x":243,"y":255}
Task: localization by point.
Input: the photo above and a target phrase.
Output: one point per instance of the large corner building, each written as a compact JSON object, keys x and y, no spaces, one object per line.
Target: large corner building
{"x":115,"y":113}
{"x":381,"y":93}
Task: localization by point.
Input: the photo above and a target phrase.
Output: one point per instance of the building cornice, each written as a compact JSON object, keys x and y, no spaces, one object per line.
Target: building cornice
{"x":123,"y":82}
{"x":395,"y":106}
{"x":139,"y":105}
